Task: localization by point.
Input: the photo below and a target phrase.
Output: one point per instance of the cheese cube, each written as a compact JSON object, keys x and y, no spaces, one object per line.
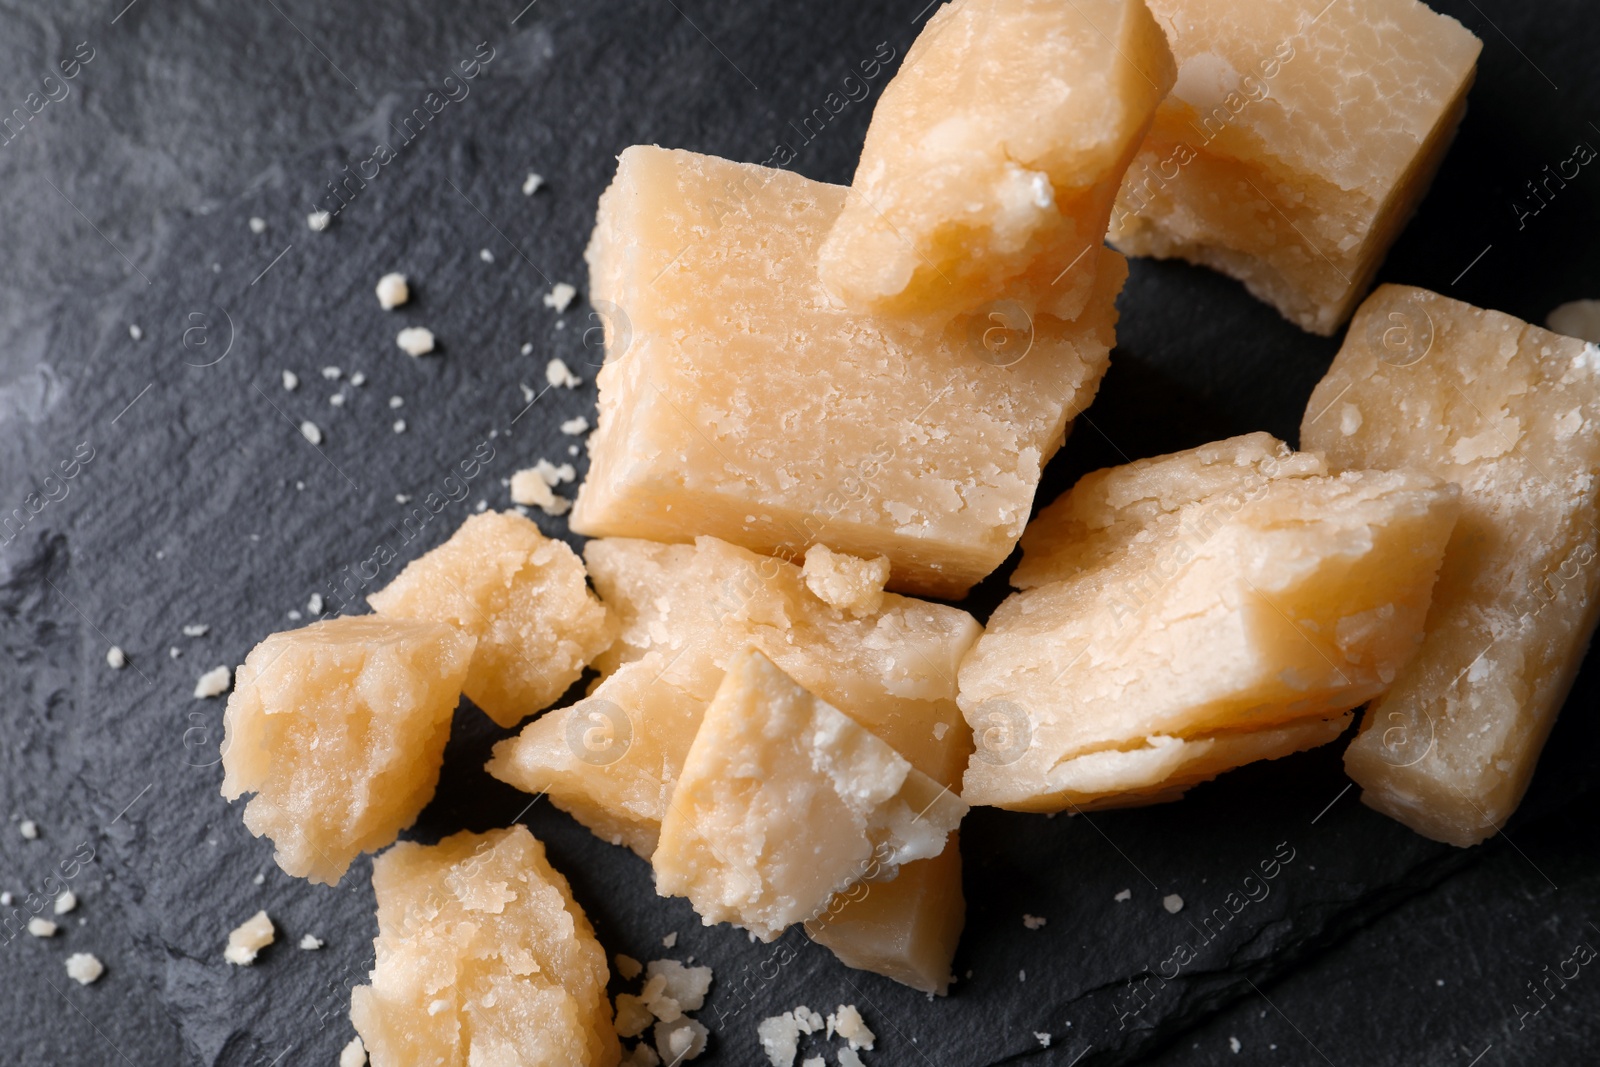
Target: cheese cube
{"x":339,"y":729}
{"x":685,"y":612}
{"x":1510,"y":412}
{"x":482,"y":957}
{"x":525,"y":598}
{"x":1298,"y":141}
{"x":784,"y":800}
{"x":994,"y":156}
{"x":737,"y":401}
{"x":1177,"y":605}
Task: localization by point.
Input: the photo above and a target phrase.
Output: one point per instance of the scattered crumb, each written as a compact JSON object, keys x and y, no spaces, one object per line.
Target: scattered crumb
{"x":572,"y":450}
{"x":1042,"y":1038}
{"x":1172,"y":902}
{"x":531,"y":183}
{"x":486,"y":255}
{"x":116,"y":659}
{"x":560,"y":296}
{"x":135,"y":333}
{"x":291,"y":380}
{"x":67,"y":901}
{"x":358,"y":379}
{"x":41,"y":927}
{"x":575,"y":426}
{"x":28,"y":829}
{"x":332,"y":374}
{"x":1126,"y":894}
{"x":395,"y":402}
{"x":848,"y":1024}
{"x":337,"y":400}
{"x":174,"y":652}
{"x":314,"y":604}
{"x":628,"y":967}
{"x":939,"y":730}
{"x":294,"y":614}
{"x":529,"y":488}
{"x":482,"y":505}
{"x":1022,"y":976}
{"x":354,"y":1054}
{"x":259,"y":879}
{"x":196,"y":629}
{"x":415,"y":340}
{"x":5,"y":900}
{"x":1033,"y":922}
{"x":680,"y":1040}
{"x":253,"y":935}
{"x":1233,"y":1043}
{"x":84,"y":968}
{"x":311,"y":432}
{"x":318,"y":221}
{"x":556,"y":372}
{"x":213,"y":683}
{"x":632,"y":1018}
{"x":848,"y":1058}
{"x":527,"y":348}
{"x":258,"y":224}
{"x":393,"y":291}
{"x":402,"y":498}
{"x":399,"y":425}
{"x":311,"y":944}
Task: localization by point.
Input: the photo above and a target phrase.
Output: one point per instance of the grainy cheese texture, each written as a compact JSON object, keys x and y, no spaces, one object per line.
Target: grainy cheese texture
{"x":339,"y":729}
{"x":523,"y":596}
{"x":1297,"y":142}
{"x":994,"y":156}
{"x":784,"y":800}
{"x":737,"y":400}
{"x":1509,"y":411}
{"x":1185,"y":614}
{"x":483,"y":959}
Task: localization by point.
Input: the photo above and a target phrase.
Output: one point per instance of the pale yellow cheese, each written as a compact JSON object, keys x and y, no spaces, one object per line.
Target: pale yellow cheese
{"x":339,"y":729}
{"x":1297,"y":142}
{"x":738,"y":401}
{"x":524,"y":597}
{"x":994,"y":156}
{"x":482,"y":958}
{"x":1177,"y":603}
{"x":784,"y":800}
{"x":1510,"y":412}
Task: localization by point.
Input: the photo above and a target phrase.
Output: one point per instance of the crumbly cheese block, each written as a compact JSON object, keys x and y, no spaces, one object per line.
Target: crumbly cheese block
{"x":685,"y":612}
{"x":339,"y":729}
{"x":1189,"y":612}
{"x":994,"y":156}
{"x":523,"y":595}
{"x":738,"y":401}
{"x":784,"y":800}
{"x":1510,"y":412}
{"x":1299,"y":139}
{"x":482,"y":958}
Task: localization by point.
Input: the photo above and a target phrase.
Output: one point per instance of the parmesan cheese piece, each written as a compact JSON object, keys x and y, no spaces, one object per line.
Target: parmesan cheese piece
{"x":994,"y":156}
{"x":560,"y":296}
{"x":1509,"y":411}
{"x":1296,"y":144}
{"x":1185,"y":614}
{"x":39,"y":927}
{"x":248,"y":939}
{"x":851,"y":584}
{"x":741,"y":403}
{"x":482,"y":957}
{"x":116,"y":659}
{"x":213,"y":683}
{"x":415,"y":340}
{"x":393,"y":291}
{"x":340,"y":728}
{"x":84,"y":968}
{"x":354,"y":1054}
{"x":522,"y":595}
{"x":784,"y":800}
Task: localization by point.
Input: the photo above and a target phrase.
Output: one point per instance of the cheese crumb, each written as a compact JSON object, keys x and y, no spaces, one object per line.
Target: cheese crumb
{"x":529,"y":488}
{"x":560,"y":296}
{"x":5,"y":899}
{"x":848,"y":1024}
{"x":628,"y":967}
{"x":354,"y":1054}
{"x":670,"y":941}
{"x":358,"y":378}
{"x":67,"y":901}
{"x":633,"y":1017}
{"x":1033,"y":922}
{"x":84,"y":968}
{"x":116,"y":659}
{"x":41,"y":927}
{"x":415,"y":340}
{"x":393,"y":291}
{"x":1126,"y":894}
{"x":848,"y":1058}
{"x":556,"y":372}
{"x":318,"y":221}
{"x":135,"y":333}
{"x":1172,"y":902}
{"x":486,"y":255}
{"x":575,"y":426}
{"x":253,"y":935}
{"x":780,"y":1034}
{"x":399,"y":425}
{"x":258,"y":224}
{"x":196,"y":629}
{"x":680,"y":1040}
{"x":291,"y":380}
{"x":28,"y":829}
{"x":314,"y":604}
{"x":332,"y":374}
{"x":1233,"y":1043}
{"x":310,"y":943}
{"x":1042,"y":1038}
{"x":213,"y":683}
{"x":337,"y":400}
{"x":531,"y":183}
{"x":395,"y":402}
{"x":310,"y":432}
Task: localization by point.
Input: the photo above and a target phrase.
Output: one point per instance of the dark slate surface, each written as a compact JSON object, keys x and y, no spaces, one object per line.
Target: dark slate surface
{"x":127,"y":204}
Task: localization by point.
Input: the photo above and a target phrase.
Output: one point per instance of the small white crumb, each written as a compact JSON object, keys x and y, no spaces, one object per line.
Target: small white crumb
{"x":253,"y":935}
{"x":486,"y":255}
{"x":415,"y":340}
{"x":196,"y":629}
{"x":67,"y":901}
{"x":848,"y":1024}
{"x":680,"y":1040}
{"x":1022,"y":976}
{"x":556,"y":372}
{"x":314,"y":604}
{"x":1126,"y":894}
{"x":437,"y":1006}
{"x":259,"y":879}
{"x":318,"y":221}
{"x":291,"y":380}
{"x":1042,"y":1038}
{"x":28,"y":829}
{"x":116,"y":659}
{"x":531,"y":183}
{"x":41,"y":927}
{"x":174,"y":652}
{"x":135,"y":333}
{"x":311,"y":432}
{"x":393,"y":290}
{"x":399,"y":425}
{"x":258,"y":224}
{"x":294,"y":615}
{"x":354,"y":1054}
{"x":310,"y":943}
{"x":628,"y":967}
{"x":554,"y":475}
{"x":560,"y":296}
{"x":1033,"y":922}
{"x":337,"y":400}
{"x":1172,"y":902}
{"x":1233,"y":1043}
{"x":670,"y":941}
{"x":84,"y":968}
{"x":213,"y":683}
{"x":575,"y":426}
{"x":572,"y":450}
{"x":527,"y":348}
{"x":848,"y":1058}
{"x":402,"y":498}
{"x":395,"y":402}
{"x":6,"y":899}
{"x":530,"y":489}
{"x":482,"y":505}
{"x":332,"y":374}
{"x":358,"y":379}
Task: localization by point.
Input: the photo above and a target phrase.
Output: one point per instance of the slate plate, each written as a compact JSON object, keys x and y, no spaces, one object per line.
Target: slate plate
{"x":203,"y":504}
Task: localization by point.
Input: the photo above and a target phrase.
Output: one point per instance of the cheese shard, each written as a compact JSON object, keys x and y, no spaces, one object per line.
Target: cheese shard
{"x":1187,"y":613}
{"x":339,"y":729}
{"x":525,"y":598}
{"x":784,"y":800}
{"x":1510,"y":412}
{"x":994,"y":156}
{"x":1296,"y":144}
{"x":685,"y":612}
{"x":737,"y":401}
{"x":853,"y":585}
{"x":482,"y":957}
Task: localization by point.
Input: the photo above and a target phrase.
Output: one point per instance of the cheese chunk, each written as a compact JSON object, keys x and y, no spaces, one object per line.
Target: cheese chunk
{"x":1190,"y":612}
{"x":482,"y":957}
{"x":784,"y":800}
{"x":853,"y":585}
{"x":1510,"y":412}
{"x":994,"y":156}
{"x":339,"y":729}
{"x":1299,"y":139}
{"x":738,"y":401}
{"x":525,"y":598}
